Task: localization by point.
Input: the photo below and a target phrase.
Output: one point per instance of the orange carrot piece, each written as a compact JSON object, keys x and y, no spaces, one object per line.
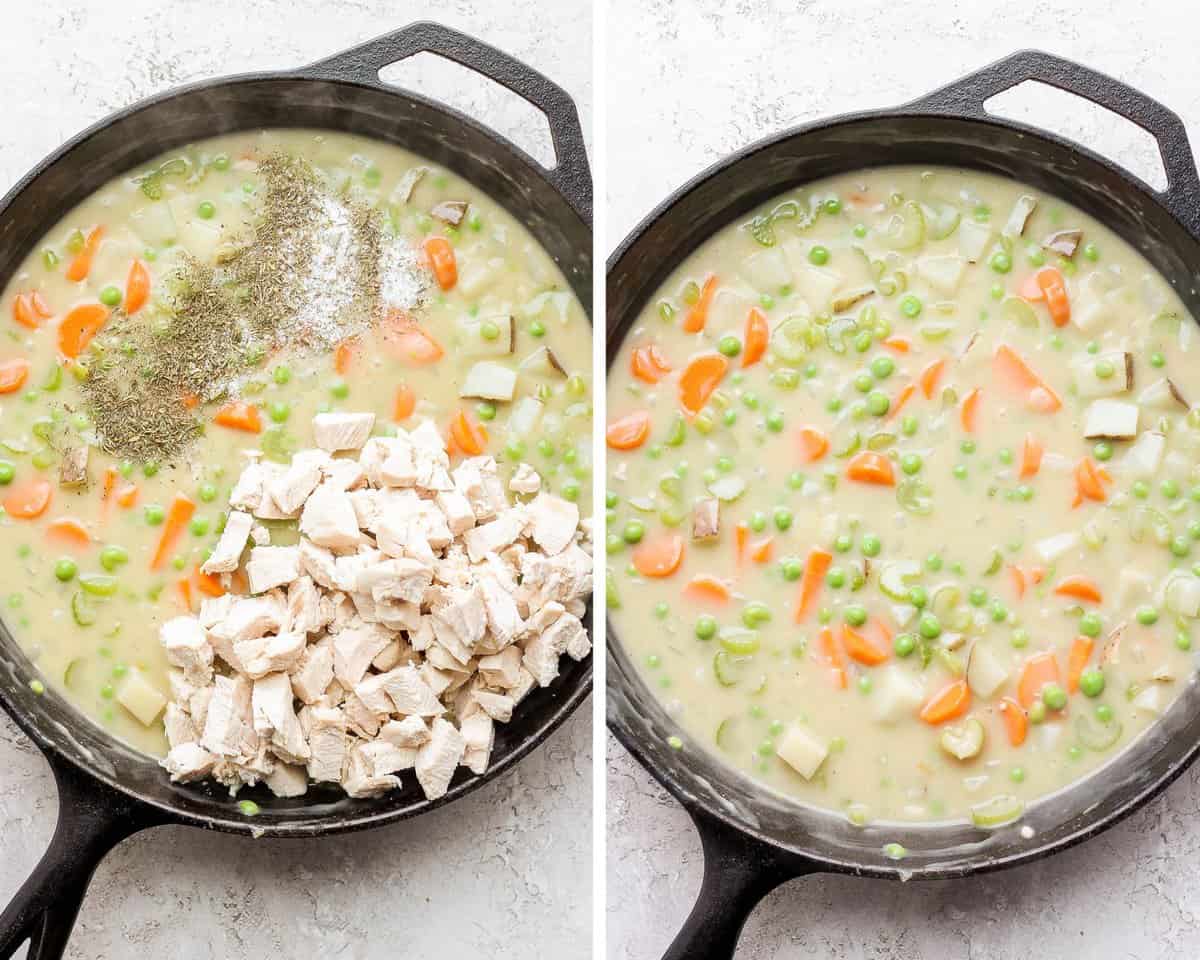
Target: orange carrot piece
{"x":1016,"y":723}
{"x":28,"y":500}
{"x":815,"y":569}
{"x":1077,"y":659}
{"x":184,"y":586}
{"x":190,"y":401}
{"x":1015,"y":374}
{"x":704,"y":588}
{"x":648,"y":364}
{"x":814,"y":444}
{"x":137,"y":287}
{"x":343,"y":355}
{"x":1039,"y":670}
{"x":69,"y":531}
{"x":208,"y":584}
{"x":1054,"y":287}
{"x":471,"y":437}
{"x":831,"y":653}
{"x":178,"y":515}
{"x":905,"y":394}
{"x":930,"y":377}
{"x":128,"y":496}
{"x":405,"y":339}
{"x":1080,"y":587}
{"x":13,"y":374}
{"x":404,"y":404}
{"x":757,"y":335}
{"x":442,"y":260}
{"x":40,"y":307}
{"x":659,"y":557}
{"x":741,"y":537}
{"x":239,"y":415}
{"x":695,"y":319}
{"x":861,"y":648}
{"x":952,"y":701}
{"x":871,"y":467}
{"x":699,"y":379}
{"x":628,"y":432}
{"x":1018,"y":579}
{"x":1030,"y":289}
{"x":1031,"y":456}
{"x":1088,"y":483}
{"x":78,"y":327}
{"x":898,"y":344}
{"x":761,"y":552}
{"x":23,"y":312}
{"x":81,"y":266}
{"x":968,"y":414}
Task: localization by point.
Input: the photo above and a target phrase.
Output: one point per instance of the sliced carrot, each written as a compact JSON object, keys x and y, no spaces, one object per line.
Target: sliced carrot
{"x":968,"y":414}
{"x":184,"y":586}
{"x":343,"y":355}
{"x":659,"y":557}
{"x":208,"y":584}
{"x":695,"y":319}
{"x":815,"y":569}
{"x":442,"y":260}
{"x":905,"y":394}
{"x":40,"y":307}
{"x":1031,"y":456}
{"x":109,"y":486}
{"x":871,"y":467}
{"x":741,"y":537}
{"x":81,"y":266}
{"x":952,"y":701}
{"x":79,"y":326}
{"x":22,"y":312}
{"x":757,"y":335}
{"x":1030,"y":289}
{"x":69,"y":531}
{"x":761,"y":552}
{"x":13,"y":374}
{"x":178,"y":515}
{"x":648,"y":364}
{"x":699,"y":379}
{"x":814,"y":444}
{"x":1018,"y":579}
{"x":628,"y":432}
{"x":471,"y":437}
{"x":1016,"y":375}
{"x":832,"y":655}
{"x":1036,"y":575}
{"x":127,"y":496}
{"x":704,"y":588}
{"x":1089,"y":485}
{"x":405,"y":339}
{"x":29,"y":499}
{"x":1054,"y":287}
{"x":861,"y":648}
{"x":930,"y":377}
{"x":239,"y":415}
{"x":1077,"y":659}
{"x":404,"y":404}
{"x":898,"y":344}
{"x":1016,"y":723}
{"x":1080,"y":587}
{"x":1039,"y":670}
{"x":137,"y":287}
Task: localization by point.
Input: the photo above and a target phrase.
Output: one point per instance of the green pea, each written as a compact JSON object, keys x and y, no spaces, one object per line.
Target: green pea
{"x":1104,"y":369}
{"x":1183,"y":641}
{"x":339,"y":389}
{"x":110,"y":296}
{"x":968,"y":447}
{"x":843,"y":543}
{"x":65,"y":569}
{"x":206,"y":210}
{"x":1054,"y":696}
{"x":537,"y":328}
{"x":882,"y":367}
{"x":783,"y":518}
{"x":864,"y":382}
{"x":281,"y":374}
{"x":795,"y":480}
{"x":855,"y":615}
{"x":758,"y":521}
{"x":933,"y":562}
{"x":724,"y":464}
{"x":918,"y":596}
{"x":150,"y":468}
{"x":1181,"y":546}
{"x":1001,"y":262}
{"x":999,"y":611}
{"x":489,"y":330}
{"x":904,"y":644}
{"x":220,"y":162}
{"x":818,"y":255}
{"x":730,"y":346}
{"x":7,"y":472}
{"x":1091,"y":682}
{"x":1140,"y":489}
{"x":877,"y":403}
{"x":1169,"y":488}
{"x":1089,"y":625}
{"x":279,"y":411}
{"x":929,"y":626}
{"x":199,"y":526}
{"x":1024,"y":492}
{"x":1146,"y":615}
{"x":792,"y":569}
{"x":154,"y":514}
{"x":1091,"y":251}
{"x":1016,"y":774}
{"x":729,"y":417}
{"x":706,"y":627}
{"x":836,"y":578}
{"x":1157,"y":360}
{"x":1102,"y":451}
{"x":960,"y":471}
{"x":871,"y":545}
{"x":1005,"y":455}
{"x":910,"y":463}
{"x":611,"y":499}
{"x":775,"y":421}
{"x":1037,"y":712}
{"x":486,"y":410}
{"x":755,"y":614}
{"x":860,"y":230}
{"x":833,"y":404}
{"x":910,"y":306}
{"x":908,"y":426}
{"x":1104,"y":713}
{"x":634,"y":531}
{"x":750,"y":399}
{"x":112,"y":557}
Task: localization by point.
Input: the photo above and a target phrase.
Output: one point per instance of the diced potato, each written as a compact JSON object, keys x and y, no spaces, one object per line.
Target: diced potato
{"x":407,"y":184}
{"x":986,"y":672}
{"x":802,"y":750}
{"x":767,"y":271}
{"x":1162,"y":394}
{"x":523,"y":419}
{"x":1145,"y":456}
{"x":815,"y":286}
{"x":1110,"y":419}
{"x":197,"y":236}
{"x":944,"y":274}
{"x":973,"y":239}
{"x":728,"y":311}
{"x":155,"y":225}
{"x":1091,"y":384}
{"x":117,"y":250}
{"x":1051,"y":548}
{"x":488,"y":380}
{"x":477,"y":275}
{"x":543,"y":363}
{"x":1149,"y":700}
{"x":1021,"y":212}
{"x":140,"y":697}
{"x":1096,"y":314}
{"x":1133,"y":586}
{"x":1182,"y":595}
{"x":897,"y":695}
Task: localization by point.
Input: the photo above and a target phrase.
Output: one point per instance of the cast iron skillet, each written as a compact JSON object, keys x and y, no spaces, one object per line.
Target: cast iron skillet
{"x":107,"y":791}
{"x":754,"y":840}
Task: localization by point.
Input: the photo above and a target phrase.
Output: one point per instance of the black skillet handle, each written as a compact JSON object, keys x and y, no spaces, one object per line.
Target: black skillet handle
{"x":92,"y":819}
{"x":738,"y":872}
{"x":965,"y":97}
{"x":362,"y":64}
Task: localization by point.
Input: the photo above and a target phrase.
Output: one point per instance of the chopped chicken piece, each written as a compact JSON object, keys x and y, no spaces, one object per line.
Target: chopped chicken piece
{"x":395,"y":579}
{"x":292,"y":487}
{"x":228,"y":551}
{"x":353,"y":650}
{"x":329,"y":520}
{"x":342,"y":431}
{"x":189,"y":762}
{"x":179,"y":726}
{"x":494,"y":536}
{"x":706,"y":519}
{"x":478,"y":735}
{"x":318,"y":563}
{"x":503,"y":617}
{"x":389,"y":656}
{"x":269,"y":654}
{"x":187,"y":647}
{"x":438,"y":759}
{"x":313,"y":672}
{"x":287,"y":780}
{"x":457,"y":510}
{"x":304,"y":606}
{"x":553,"y":522}
{"x":343,"y":473}
{"x":525,"y":480}
{"x":502,"y":669}
{"x":360,"y":780}
{"x":270,"y":567}
{"x":327,"y":744}
{"x":410,"y":694}
{"x":228,"y":730}
{"x":275,"y":720}
{"x":498,"y":706}
{"x":409,"y":732}
{"x":359,"y":717}
{"x":260,"y":536}
{"x":460,"y":623}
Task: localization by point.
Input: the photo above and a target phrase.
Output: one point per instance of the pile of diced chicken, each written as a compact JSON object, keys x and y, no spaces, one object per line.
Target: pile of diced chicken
{"x":420,"y":606}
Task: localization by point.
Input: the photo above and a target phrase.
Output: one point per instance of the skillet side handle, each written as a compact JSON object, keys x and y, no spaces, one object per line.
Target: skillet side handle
{"x":571,"y":173}
{"x":738,"y":873}
{"x":92,"y":819}
{"x":966,"y":97}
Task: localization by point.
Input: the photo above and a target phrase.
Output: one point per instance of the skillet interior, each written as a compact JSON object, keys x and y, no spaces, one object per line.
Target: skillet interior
{"x":806,"y":837}
{"x":115,"y":146}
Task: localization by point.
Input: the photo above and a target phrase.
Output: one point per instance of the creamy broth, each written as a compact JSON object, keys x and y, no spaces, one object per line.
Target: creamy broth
{"x":81,"y":596}
{"x":940,"y":423}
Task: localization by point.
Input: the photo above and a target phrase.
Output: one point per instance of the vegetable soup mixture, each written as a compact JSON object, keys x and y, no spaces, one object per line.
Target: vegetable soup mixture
{"x":193,"y":317}
{"x":904,"y":495}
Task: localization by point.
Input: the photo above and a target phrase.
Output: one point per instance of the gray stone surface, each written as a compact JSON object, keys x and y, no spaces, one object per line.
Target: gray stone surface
{"x":503,"y":872}
{"x":688,"y":83}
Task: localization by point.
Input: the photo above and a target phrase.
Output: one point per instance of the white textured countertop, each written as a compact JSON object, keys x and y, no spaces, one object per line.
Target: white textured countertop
{"x":689,"y":83}
{"x":504,"y":871}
